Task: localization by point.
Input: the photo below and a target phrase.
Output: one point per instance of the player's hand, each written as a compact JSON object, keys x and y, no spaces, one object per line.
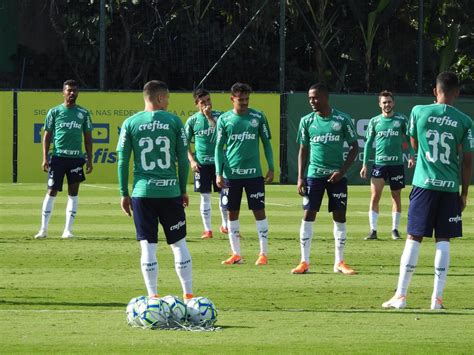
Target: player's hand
{"x":195,"y":166}
{"x":335,"y":177}
{"x":411,"y":162}
{"x":363,"y":172}
{"x":126,"y":204}
{"x":301,"y":186}
{"x":88,"y":167}
{"x":463,"y":202}
{"x":269,"y":177}
{"x":219,"y":181}
{"x":45,"y":165}
{"x":185,"y":200}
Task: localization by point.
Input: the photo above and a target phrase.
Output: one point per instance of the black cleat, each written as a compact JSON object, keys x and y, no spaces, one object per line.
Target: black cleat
{"x":396,"y":235}
{"x":372,"y":235}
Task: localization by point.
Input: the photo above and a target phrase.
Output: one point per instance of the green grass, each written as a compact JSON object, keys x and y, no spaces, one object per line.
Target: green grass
{"x":69,"y":296}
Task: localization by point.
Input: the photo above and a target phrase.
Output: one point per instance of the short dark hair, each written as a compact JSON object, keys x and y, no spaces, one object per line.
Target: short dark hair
{"x":385,"y":93}
{"x":240,"y":88}
{"x":154,"y":87}
{"x":70,"y":82}
{"x":447,"y":82}
{"x":321,"y":87}
{"x":198,"y":93}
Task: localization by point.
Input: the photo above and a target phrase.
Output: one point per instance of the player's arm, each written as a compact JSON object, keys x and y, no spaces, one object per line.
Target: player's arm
{"x":351,"y":155}
{"x":219,"y":152}
{"x":411,"y":152}
{"x":88,"y":146}
{"x":368,"y":149}
{"x":302,"y":158}
{"x":124,"y":151}
{"x":188,"y":129}
{"x":265,"y":136}
{"x":183,"y":163}
{"x":466,"y":172}
{"x":47,"y":137}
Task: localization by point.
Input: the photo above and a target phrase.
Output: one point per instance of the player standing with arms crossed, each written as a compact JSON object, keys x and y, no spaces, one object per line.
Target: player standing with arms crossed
{"x":238,"y":168}
{"x":321,"y":135}
{"x":442,"y":135}
{"x":201,"y":127}
{"x":388,"y":130}
{"x":64,"y":126}
{"x":158,"y":141}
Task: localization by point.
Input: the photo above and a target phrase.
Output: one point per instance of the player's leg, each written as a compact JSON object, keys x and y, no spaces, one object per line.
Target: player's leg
{"x":75,"y":175}
{"x":397,"y":183}
{"x":173,"y":220}
{"x":255,"y":191}
{"x":55,"y":183}
{"x":223,"y":209}
{"x":337,"y":204}
{"x":145,"y":218}
{"x":421,"y":217}
{"x":311,"y":204}
{"x":231,"y":197}
{"x":202,"y":184}
{"x":448,"y":225}
{"x":377,"y":183}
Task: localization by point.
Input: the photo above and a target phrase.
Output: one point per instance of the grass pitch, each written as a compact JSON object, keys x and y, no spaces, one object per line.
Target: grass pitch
{"x":69,"y":296}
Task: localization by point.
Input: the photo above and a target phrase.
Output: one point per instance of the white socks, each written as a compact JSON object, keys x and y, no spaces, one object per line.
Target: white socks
{"x":441,"y":265}
{"x":71,"y":210}
{"x":234,"y":236}
{"x":408,"y":263}
{"x":306,"y":235}
{"x":183,"y":265}
{"x":339,"y":232}
{"x":262,"y":231}
{"x":395,"y":220}
{"x":205,"y":208}
{"x":149,"y":265}
{"x":46,"y":211}
{"x":223,"y":210}
{"x":373,"y":218}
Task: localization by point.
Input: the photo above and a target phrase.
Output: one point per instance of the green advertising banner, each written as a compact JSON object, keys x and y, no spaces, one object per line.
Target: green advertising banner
{"x":108,"y":111}
{"x":6,"y":136}
{"x":361,"y":108}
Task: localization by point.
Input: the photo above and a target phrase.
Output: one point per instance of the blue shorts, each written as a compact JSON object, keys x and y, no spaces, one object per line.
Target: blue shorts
{"x":394,"y":174}
{"x":337,"y":194}
{"x":169,"y":212}
{"x":231,"y":194}
{"x":438,"y":210}
{"x":205,"y":179}
{"x":60,"y":166}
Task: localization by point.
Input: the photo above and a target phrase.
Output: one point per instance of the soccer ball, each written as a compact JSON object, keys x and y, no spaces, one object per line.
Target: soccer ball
{"x":178,"y":308}
{"x":133,"y":311}
{"x":155,"y":313}
{"x":201,"y":311}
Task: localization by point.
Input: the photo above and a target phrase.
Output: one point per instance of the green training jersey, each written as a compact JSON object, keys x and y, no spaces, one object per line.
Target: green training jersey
{"x":325,"y":137}
{"x":439,"y":129}
{"x":240,"y":135}
{"x":158,"y":142}
{"x":389,"y":134}
{"x":67,"y":126}
{"x":199,"y":130}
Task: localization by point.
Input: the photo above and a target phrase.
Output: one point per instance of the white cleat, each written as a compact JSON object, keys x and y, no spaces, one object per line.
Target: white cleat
{"x":397,"y":302}
{"x":437,"y":303}
{"x":41,"y":234}
{"x":67,"y":235}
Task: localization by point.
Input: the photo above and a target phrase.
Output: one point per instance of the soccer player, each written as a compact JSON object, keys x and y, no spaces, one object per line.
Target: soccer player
{"x":443,"y":137}
{"x":388,"y":129}
{"x":158,"y":141}
{"x":65,"y":125}
{"x":201,"y":127}
{"x":321,"y":135}
{"x":238,"y":168}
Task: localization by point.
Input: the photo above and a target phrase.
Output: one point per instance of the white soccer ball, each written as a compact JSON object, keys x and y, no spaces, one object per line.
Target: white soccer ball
{"x":201,"y":311}
{"x":133,"y":311}
{"x":155,"y":313}
{"x":178,"y":309}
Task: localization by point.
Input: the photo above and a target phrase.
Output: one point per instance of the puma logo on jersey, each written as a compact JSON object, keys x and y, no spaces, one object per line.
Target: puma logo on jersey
{"x":445,"y":120}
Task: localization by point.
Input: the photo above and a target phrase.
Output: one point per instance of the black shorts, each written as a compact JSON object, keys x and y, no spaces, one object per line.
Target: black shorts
{"x":205,"y":179}
{"x":337,"y":194}
{"x":169,"y":212}
{"x":438,"y":210}
{"x":394,"y":174}
{"x":231,"y":194}
{"x":60,"y":166}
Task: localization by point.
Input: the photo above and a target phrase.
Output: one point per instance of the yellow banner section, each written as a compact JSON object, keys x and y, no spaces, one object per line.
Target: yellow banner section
{"x":108,"y":111}
{"x":6,"y":136}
